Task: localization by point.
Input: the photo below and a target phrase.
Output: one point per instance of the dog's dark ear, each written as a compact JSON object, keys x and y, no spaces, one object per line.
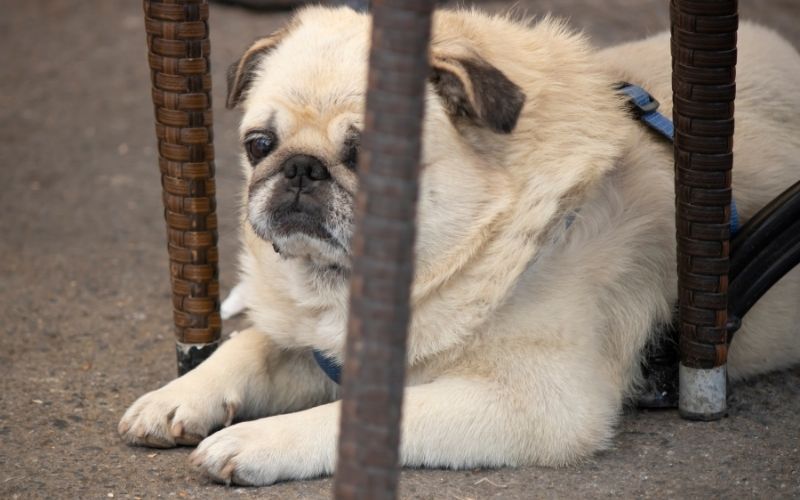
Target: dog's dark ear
{"x":241,"y":73}
{"x":475,"y":89}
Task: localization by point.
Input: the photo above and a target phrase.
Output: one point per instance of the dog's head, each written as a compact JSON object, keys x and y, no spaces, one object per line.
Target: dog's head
{"x":303,"y":92}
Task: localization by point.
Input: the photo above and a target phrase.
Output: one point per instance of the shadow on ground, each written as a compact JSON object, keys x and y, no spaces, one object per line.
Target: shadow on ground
{"x":85,"y":315}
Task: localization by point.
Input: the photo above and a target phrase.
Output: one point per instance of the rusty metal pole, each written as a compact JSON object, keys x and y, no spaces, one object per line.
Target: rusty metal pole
{"x":177,"y":39}
{"x":703,"y":85}
{"x":375,"y":356}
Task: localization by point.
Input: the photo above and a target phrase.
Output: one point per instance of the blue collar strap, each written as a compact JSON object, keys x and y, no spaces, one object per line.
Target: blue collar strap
{"x":645,"y":108}
{"x":329,"y":365}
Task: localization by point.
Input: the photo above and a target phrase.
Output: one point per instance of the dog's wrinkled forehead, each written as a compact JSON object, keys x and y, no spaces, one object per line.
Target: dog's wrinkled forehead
{"x":316,"y":64}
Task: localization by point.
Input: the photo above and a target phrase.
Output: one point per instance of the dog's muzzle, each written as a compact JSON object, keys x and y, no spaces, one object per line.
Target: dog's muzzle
{"x":304,"y":172}
{"x":300,"y":198}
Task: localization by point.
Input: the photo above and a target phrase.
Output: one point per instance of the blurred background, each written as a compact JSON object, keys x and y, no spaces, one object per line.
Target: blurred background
{"x":85,"y":314}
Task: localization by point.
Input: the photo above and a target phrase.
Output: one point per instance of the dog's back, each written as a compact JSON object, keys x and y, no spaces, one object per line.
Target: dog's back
{"x":766,"y":162}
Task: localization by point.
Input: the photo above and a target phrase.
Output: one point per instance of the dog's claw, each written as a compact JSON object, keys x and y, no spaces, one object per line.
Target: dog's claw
{"x":123,"y":427}
{"x":226,"y":474}
{"x":195,"y":459}
{"x":154,"y":441}
{"x":177,"y":429}
{"x":230,"y":409}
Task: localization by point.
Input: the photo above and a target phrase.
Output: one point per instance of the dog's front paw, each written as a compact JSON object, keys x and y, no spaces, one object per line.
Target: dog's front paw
{"x":180,"y":413}
{"x":264,"y":451}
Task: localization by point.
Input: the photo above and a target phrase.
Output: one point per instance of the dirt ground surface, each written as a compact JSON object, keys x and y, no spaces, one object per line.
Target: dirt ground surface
{"x":85,"y":320}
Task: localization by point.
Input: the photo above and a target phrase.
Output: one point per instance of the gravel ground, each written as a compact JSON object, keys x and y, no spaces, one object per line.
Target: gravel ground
{"x":85,"y":315}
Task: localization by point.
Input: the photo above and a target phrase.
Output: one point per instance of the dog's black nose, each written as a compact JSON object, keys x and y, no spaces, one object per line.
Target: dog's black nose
{"x":301,"y":170}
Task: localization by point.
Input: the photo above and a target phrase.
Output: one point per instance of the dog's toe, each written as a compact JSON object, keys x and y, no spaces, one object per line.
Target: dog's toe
{"x":215,"y":460}
{"x":147,"y":424}
{"x":167,"y":418}
{"x":153,"y":440}
{"x":187,"y":432}
{"x":230,"y":457}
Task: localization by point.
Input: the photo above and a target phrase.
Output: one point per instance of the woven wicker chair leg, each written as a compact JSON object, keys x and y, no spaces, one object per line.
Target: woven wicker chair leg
{"x":383,"y":248}
{"x":177,"y":39}
{"x":703,"y":65}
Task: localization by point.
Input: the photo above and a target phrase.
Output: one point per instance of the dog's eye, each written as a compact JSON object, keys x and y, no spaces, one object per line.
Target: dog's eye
{"x":350,"y":151}
{"x":350,"y":159}
{"x":259,"y":145}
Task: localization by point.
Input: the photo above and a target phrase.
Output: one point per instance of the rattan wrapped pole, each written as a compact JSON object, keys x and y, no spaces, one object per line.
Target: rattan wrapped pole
{"x":177,"y":39}
{"x":383,"y":245}
{"x":703,"y":84}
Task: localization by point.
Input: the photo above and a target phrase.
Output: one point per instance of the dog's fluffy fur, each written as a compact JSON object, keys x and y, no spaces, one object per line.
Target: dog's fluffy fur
{"x":526,"y":337}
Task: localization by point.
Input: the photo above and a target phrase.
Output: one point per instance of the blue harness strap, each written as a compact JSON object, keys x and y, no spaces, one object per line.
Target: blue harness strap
{"x":734,"y":218}
{"x":329,"y":365}
{"x":645,"y":107}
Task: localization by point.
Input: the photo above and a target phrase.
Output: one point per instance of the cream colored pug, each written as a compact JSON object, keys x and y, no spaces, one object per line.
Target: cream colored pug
{"x":527,"y":331}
